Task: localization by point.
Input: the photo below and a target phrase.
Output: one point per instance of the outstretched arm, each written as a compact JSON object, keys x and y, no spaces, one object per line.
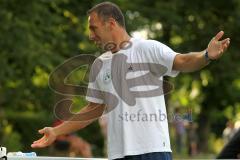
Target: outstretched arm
{"x":50,"y":133}
{"x":196,"y":60}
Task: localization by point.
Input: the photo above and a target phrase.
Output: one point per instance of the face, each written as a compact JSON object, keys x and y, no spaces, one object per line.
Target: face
{"x":99,"y":30}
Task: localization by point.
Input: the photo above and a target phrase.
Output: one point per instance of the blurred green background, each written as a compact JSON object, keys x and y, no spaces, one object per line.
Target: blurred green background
{"x":37,"y":36}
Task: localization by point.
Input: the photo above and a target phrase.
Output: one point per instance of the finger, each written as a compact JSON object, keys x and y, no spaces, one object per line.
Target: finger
{"x":226,"y":46}
{"x":43,"y":131}
{"x":219,"y":35}
{"x":40,"y":142}
{"x":34,"y":145}
{"x":37,"y":141}
{"x":227,"y":40}
{"x":43,"y":142}
{"x":39,"y":145}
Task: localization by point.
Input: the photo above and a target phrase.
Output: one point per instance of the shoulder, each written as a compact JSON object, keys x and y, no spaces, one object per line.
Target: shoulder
{"x":149,"y":44}
{"x":99,"y":60}
{"x":95,"y":68}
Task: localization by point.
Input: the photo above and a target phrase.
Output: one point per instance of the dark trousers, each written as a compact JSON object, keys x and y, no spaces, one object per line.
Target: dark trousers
{"x":149,"y":156}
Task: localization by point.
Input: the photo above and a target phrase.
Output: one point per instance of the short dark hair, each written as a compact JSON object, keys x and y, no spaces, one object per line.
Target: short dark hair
{"x":106,"y":10}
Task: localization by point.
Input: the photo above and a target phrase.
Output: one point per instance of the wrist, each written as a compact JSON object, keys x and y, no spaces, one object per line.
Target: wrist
{"x":206,"y":56}
{"x":56,"y":131}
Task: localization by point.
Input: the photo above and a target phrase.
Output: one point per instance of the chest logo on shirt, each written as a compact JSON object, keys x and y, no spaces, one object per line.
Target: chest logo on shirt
{"x":130,"y":68}
{"x":107,"y":77}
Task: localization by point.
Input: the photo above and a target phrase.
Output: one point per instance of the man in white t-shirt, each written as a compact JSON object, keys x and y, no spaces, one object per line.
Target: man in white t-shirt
{"x":126,"y":85}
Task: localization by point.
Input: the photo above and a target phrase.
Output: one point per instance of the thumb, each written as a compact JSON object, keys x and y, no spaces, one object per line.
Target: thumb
{"x":42,"y":131}
{"x":219,"y":35}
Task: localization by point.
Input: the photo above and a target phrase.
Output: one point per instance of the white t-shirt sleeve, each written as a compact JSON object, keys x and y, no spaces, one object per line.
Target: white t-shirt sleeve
{"x":94,"y":93}
{"x":165,"y":56}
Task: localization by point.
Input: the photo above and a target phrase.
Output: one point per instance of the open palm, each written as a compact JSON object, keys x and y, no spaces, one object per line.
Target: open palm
{"x":216,"y":47}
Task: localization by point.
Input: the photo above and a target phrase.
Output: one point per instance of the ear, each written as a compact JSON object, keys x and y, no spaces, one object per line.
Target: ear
{"x":112,"y":23}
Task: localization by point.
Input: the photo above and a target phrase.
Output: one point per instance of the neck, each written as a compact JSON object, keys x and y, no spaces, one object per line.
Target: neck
{"x":121,"y":36}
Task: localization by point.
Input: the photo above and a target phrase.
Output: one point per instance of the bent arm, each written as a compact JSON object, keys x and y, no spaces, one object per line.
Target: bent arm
{"x":197,"y":60}
{"x":71,"y":126}
{"x":190,"y":62}
{"x":91,"y":112}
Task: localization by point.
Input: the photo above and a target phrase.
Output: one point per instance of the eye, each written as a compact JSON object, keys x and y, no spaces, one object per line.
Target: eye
{"x":93,"y":28}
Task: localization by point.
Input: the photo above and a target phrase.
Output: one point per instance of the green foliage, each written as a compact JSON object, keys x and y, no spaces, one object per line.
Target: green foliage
{"x":11,"y":139}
